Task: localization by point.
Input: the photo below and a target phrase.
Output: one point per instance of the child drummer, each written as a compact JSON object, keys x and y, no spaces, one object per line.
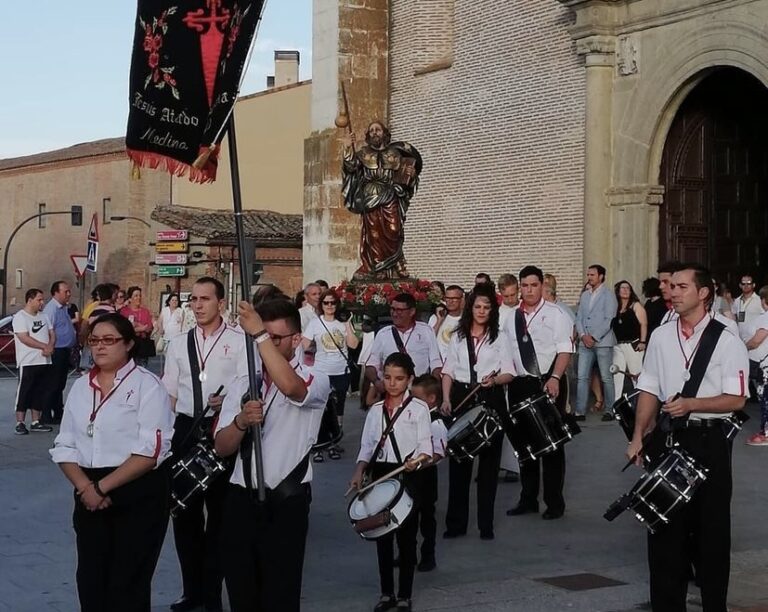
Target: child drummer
{"x":428,"y":389}
{"x":409,"y":442}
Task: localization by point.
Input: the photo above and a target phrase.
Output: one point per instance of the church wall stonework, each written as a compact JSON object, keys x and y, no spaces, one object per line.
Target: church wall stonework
{"x":492,"y":95}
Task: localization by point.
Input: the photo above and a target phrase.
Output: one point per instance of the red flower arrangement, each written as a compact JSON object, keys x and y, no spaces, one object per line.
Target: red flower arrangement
{"x":373,"y":299}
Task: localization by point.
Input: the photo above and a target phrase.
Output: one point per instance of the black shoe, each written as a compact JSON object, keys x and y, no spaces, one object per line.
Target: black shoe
{"x":386,"y":602}
{"x":550,"y":515}
{"x":580,"y":417}
{"x":427,"y":564}
{"x":523,"y":509}
{"x":487,"y":535}
{"x":449,"y":535}
{"x":607,"y":417}
{"x":511,"y":476}
{"x":185,"y":604}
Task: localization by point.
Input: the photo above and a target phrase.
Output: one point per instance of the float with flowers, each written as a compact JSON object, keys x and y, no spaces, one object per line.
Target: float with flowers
{"x":373,"y":299}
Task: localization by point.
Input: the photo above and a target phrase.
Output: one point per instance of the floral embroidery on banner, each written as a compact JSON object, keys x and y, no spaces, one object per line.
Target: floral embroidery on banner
{"x":234,"y":33}
{"x":159,"y":75}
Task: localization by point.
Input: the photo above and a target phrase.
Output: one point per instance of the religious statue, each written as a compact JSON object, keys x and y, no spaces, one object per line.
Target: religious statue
{"x":380,"y":179}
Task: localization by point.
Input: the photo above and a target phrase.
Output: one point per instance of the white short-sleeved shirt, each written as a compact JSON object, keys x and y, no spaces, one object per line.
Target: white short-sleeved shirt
{"x":761,"y":352}
{"x":504,"y":312}
{"x":39,"y":328}
{"x":550,"y":330}
{"x":412,"y":430}
{"x":328,"y":336}
{"x":289,"y":429}
{"x":172,"y":322}
{"x":135,"y":419}
{"x":224,"y":354}
{"x":420,"y":344}
{"x":444,"y":332}
{"x":439,"y":438}
{"x":664,"y":365}
{"x":307,"y":314}
{"x":746,"y":312}
{"x":489,"y":357}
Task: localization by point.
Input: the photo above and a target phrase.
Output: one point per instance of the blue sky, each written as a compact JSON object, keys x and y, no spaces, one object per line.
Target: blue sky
{"x":65,"y":67}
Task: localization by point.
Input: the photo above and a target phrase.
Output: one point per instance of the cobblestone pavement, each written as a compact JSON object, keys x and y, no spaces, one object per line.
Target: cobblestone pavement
{"x":37,"y":553}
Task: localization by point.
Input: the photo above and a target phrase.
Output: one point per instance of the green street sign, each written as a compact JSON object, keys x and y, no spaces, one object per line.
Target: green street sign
{"x":171,"y":270}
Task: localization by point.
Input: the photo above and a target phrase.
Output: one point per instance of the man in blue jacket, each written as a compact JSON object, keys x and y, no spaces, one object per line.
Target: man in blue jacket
{"x":597,"y":307}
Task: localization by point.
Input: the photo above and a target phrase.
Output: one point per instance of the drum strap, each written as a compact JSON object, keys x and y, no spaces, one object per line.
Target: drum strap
{"x":392,"y":438}
{"x":390,"y":426}
{"x":194,"y":367}
{"x":525,"y":345}
{"x":472,"y":360}
{"x":399,"y":340}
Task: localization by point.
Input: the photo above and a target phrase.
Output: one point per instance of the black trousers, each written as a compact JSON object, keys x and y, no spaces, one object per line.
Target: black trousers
{"x":263,"y":550}
{"x":405,"y":536}
{"x":196,"y":530}
{"x":426,"y":513}
{"x":460,"y":473}
{"x":58,"y":381}
{"x":549,"y":468}
{"x":118,"y":548}
{"x":700,"y":531}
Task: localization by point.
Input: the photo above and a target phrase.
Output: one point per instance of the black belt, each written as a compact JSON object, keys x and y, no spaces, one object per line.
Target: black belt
{"x":703,"y":423}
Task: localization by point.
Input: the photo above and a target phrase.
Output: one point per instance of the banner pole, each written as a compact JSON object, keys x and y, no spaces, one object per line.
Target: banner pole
{"x":254,"y":392}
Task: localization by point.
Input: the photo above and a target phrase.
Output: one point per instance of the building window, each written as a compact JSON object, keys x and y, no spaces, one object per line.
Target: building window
{"x":19,"y":278}
{"x":41,"y":220}
{"x":106,"y":204}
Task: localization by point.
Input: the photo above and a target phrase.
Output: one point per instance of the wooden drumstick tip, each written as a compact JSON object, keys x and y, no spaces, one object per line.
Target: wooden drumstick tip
{"x":350,"y":490}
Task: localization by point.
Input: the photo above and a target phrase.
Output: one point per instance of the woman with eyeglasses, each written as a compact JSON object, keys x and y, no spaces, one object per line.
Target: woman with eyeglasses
{"x":115,"y":435}
{"x":332,"y":338}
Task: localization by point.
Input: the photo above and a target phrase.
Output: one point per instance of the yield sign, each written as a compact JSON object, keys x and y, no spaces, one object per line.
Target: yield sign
{"x":93,"y":230}
{"x":79,"y":261}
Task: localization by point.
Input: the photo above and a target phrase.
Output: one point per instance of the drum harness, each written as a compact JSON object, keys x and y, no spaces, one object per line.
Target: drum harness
{"x":660,"y":441}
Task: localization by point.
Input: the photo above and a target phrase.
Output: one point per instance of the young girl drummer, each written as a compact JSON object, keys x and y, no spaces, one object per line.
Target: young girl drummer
{"x":410,"y":438}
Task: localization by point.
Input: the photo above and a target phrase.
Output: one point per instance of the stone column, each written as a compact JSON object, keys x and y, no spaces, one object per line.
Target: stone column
{"x":599,"y":52}
{"x":350,"y":44}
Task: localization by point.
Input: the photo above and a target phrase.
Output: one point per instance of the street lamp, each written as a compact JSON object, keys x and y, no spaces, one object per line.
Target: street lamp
{"x":125,"y":217}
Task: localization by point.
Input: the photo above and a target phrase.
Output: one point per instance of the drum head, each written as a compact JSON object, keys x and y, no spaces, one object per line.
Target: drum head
{"x":463,"y":421}
{"x":375,"y":500}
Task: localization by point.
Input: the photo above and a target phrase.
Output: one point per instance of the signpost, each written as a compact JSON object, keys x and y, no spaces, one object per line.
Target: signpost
{"x":79,"y":262}
{"x":171,"y":247}
{"x":168,"y":235}
{"x":171,"y":271}
{"x":92,"y":251}
{"x":170,"y":259}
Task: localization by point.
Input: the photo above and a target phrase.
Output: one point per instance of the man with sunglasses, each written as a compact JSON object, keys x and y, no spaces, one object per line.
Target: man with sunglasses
{"x":746,"y":308}
{"x":209,"y":356}
{"x":265,"y":541}
{"x":405,"y":335}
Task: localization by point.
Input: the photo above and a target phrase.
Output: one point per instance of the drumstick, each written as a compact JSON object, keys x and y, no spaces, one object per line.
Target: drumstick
{"x":472,"y":392}
{"x":394,"y":472}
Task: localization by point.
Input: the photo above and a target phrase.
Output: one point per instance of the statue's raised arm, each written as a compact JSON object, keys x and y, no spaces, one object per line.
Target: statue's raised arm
{"x":380,"y":178}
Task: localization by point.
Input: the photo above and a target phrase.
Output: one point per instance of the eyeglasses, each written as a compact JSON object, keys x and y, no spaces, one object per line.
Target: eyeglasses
{"x":278,"y":338}
{"x":394,"y":309}
{"x":743,"y":284}
{"x":330,"y":303}
{"x":452,"y":299}
{"x":121,"y":295}
{"x":105,"y":340}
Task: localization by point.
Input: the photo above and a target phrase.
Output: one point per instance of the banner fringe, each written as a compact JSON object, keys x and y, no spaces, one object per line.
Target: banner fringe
{"x":155,"y":161}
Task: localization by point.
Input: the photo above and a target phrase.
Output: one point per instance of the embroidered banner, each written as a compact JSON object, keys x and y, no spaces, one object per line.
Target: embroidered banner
{"x":188,"y":59}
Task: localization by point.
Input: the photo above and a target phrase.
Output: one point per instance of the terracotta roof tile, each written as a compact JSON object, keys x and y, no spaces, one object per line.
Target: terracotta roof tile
{"x":218,"y":226}
{"x":85,"y":149}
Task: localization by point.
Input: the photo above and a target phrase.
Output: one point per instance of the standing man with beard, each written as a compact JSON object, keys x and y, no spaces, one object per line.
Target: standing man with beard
{"x":208,"y":356}
{"x":380,"y":179}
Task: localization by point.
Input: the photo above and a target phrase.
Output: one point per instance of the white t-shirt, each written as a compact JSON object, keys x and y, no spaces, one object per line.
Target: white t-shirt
{"x":746,"y":313}
{"x":172,"y":322}
{"x":761,"y":352}
{"x":444,"y":332}
{"x":39,"y":328}
{"x":328,"y":339}
{"x":307,"y":314}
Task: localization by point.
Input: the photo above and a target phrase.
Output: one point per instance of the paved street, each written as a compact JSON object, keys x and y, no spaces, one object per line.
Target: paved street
{"x":37,"y":553}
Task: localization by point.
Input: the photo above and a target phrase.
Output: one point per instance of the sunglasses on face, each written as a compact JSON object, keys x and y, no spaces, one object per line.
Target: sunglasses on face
{"x":330,"y":303}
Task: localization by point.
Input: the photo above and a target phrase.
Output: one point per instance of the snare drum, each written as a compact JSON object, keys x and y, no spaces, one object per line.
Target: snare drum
{"x":624,"y":412}
{"x":659,"y":494}
{"x":192,"y":475}
{"x":472,"y":432}
{"x":381,"y":509}
{"x":536,"y":427}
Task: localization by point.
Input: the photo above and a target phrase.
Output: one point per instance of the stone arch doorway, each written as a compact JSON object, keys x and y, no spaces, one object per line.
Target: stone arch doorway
{"x":715,"y":172}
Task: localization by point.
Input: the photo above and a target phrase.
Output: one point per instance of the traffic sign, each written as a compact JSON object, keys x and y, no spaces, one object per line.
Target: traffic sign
{"x":80,"y":262}
{"x":171,"y":247}
{"x":171,"y":271}
{"x":170,"y":259}
{"x":93,"y":230}
{"x":92,"y":258}
{"x":172,"y":235}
